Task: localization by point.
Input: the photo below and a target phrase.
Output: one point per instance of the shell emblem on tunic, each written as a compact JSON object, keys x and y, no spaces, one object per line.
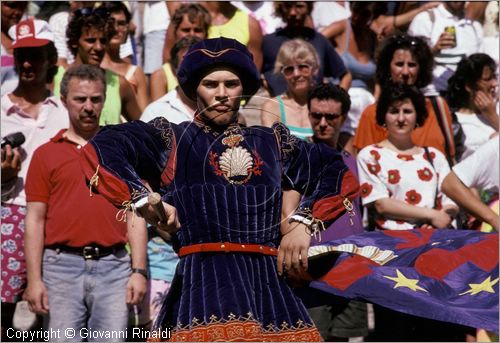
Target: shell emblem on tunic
{"x":236,"y":162}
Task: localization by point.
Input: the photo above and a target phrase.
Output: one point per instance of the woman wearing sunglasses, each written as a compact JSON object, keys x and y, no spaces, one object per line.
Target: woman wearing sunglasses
{"x":298,"y":61}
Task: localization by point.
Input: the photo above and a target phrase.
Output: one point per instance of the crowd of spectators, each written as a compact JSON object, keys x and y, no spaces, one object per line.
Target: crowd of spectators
{"x":429,"y":69}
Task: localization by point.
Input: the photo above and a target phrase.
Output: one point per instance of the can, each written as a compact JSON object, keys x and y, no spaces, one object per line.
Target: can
{"x":452,"y":31}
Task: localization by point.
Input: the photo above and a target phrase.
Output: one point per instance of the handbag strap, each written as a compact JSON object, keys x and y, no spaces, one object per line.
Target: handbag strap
{"x":428,"y":155}
{"x":442,"y":122}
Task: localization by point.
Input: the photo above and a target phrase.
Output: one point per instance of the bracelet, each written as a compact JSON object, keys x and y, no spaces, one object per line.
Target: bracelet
{"x":141,"y":271}
{"x":313,"y":225}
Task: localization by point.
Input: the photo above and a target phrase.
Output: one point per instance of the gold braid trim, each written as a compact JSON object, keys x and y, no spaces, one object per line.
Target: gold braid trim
{"x":243,"y":328}
{"x":121,"y":215}
{"x":94,"y":180}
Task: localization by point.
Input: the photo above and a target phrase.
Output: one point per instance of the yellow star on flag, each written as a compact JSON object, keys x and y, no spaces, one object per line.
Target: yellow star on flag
{"x":403,"y":281}
{"x":486,"y":286}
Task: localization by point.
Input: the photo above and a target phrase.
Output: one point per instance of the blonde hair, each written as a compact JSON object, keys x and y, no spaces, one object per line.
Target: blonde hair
{"x":296,"y":50}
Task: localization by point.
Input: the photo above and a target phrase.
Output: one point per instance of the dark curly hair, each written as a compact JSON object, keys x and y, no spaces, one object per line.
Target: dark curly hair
{"x":96,"y":18}
{"x":393,"y":92}
{"x":419,"y":50}
{"x":469,"y":72}
{"x":333,"y":92}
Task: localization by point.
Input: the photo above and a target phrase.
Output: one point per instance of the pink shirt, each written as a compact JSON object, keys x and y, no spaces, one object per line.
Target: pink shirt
{"x":53,"y":117}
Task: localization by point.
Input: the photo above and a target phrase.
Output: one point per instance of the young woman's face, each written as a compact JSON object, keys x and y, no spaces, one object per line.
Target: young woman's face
{"x":91,"y":46}
{"x":404,"y":67}
{"x":488,"y":82}
{"x":401,"y":118}
{"x":121,"y":28}
{"x":219,"y":95}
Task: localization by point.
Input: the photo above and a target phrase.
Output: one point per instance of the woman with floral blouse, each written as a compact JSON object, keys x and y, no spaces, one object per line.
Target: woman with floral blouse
{"x":400,"y":181}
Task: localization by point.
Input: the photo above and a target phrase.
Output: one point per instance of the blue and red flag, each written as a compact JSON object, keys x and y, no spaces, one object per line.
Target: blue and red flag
{"x":447,"y":275}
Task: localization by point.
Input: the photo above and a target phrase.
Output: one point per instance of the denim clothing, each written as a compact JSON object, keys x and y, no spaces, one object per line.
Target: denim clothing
{"x":88,"y":294}
{"x":152,"y":51}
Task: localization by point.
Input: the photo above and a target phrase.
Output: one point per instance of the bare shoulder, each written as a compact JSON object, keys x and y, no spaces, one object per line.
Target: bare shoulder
{"x":270,"y":112}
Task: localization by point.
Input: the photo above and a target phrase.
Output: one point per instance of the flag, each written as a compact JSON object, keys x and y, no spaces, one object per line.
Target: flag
{"x":447,"y":275}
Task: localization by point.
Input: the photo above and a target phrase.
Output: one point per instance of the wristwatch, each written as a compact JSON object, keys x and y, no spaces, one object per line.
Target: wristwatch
{"x":143,"y":272}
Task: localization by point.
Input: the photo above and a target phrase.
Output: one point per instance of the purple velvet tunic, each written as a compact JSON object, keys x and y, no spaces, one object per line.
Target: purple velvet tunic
{"x":227,"y":187}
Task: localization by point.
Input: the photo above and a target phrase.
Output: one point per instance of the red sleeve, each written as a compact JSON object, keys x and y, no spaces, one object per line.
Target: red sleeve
{"x":330,"y":208}
{"x":37,"y":185}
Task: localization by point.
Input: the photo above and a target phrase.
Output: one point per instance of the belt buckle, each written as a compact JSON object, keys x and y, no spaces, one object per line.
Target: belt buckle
{"x":90,"y":252}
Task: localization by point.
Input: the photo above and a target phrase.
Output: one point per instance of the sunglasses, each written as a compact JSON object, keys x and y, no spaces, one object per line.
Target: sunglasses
{"x":406,"y":40}
{"x":88,"y":11}
{"x":329,"y":117}
{"x":290,"y":69}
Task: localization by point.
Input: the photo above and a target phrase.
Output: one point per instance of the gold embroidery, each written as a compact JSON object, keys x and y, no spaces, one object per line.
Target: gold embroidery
{"x":215,"y":53}
{"x":121,"y":215}
{"x":350,"y":209}
{"x":236,"y":164}
{"x":243,"y":328}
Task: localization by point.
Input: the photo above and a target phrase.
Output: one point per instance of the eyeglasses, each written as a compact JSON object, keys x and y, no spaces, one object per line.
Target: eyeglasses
{"x":88,"y":11}
{"x":290,"y":69}
{"x":329,"y":117}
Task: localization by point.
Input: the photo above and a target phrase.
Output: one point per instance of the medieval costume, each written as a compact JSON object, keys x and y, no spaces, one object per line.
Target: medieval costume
{"x":226,"y":183}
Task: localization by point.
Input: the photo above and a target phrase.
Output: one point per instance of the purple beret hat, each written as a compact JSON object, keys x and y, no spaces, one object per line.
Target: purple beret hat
{"x":213,"y":53}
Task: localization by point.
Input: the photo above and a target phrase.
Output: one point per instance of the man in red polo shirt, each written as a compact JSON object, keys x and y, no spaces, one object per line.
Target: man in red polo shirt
{"x":79,"y":272}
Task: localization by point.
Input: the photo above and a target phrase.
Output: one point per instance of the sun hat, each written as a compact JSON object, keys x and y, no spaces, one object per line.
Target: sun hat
{"x":214,"y":53}
{"x":31,"y":33}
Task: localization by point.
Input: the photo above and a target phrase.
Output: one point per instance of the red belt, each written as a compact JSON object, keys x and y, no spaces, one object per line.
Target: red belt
{"x":228,"y":247}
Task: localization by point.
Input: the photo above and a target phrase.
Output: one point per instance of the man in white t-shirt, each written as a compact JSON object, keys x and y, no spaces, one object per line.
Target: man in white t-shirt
{"x":479,"y":170}
{"x":174,"y":106}
{"x":448,"y":50}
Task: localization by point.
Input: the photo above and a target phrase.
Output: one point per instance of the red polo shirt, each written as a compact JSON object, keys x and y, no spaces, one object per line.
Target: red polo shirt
{"x":73,"y":218}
